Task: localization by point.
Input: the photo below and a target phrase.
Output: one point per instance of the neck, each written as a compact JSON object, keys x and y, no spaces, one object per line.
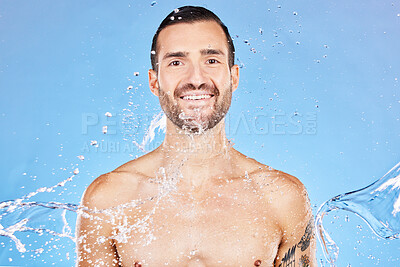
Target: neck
{"x":196,"y":157}
{"x":201,"y":147}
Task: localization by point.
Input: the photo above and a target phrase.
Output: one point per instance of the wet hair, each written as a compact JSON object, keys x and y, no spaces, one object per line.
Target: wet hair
{"x":190,"y":14}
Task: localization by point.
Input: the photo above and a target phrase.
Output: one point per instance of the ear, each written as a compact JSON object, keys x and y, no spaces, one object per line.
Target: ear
{"x":235,"y":77}
{"x":153,"y":82}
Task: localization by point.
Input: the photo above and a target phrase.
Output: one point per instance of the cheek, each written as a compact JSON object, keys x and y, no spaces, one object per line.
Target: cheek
{"x":225,"y":80}
{"x":167,"y":83}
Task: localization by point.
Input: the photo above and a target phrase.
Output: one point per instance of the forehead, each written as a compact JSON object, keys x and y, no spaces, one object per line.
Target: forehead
{"x":192,"y":37}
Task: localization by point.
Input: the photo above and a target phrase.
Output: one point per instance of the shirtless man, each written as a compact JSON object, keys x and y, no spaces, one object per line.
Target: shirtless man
{"x":195,"y":200}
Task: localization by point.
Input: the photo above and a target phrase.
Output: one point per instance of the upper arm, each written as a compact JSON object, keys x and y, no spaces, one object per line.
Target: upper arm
{"x":94,"y":243}
{"x":298,"y":251}
{"x":297,"y":247}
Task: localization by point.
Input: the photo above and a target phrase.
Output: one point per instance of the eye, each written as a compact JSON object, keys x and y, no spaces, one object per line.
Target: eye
{"x":212,"y":61}
{"x":175,"y":63}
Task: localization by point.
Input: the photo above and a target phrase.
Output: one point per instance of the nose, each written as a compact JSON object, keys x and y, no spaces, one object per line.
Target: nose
{"x":196,"y":76}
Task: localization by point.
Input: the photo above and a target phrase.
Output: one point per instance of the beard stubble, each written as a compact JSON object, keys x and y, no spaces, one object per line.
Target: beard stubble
{"x":199,"y":122}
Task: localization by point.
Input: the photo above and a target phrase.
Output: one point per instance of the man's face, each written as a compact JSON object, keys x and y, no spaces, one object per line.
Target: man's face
{"x":194,"y":82}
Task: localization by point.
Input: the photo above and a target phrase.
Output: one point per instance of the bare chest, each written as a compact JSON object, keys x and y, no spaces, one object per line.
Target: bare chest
{"x":181,"y":231}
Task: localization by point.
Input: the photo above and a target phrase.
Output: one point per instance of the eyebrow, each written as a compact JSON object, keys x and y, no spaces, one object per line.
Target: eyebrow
{"x":175,"y":54}
{"x":206,"y":52}
{"x":203,"y":52}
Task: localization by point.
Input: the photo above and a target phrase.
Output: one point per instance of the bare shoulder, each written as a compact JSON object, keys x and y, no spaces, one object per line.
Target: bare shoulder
{"x":120,"y":186}
{"x":285,"y":193}
{"x":284,"y":183}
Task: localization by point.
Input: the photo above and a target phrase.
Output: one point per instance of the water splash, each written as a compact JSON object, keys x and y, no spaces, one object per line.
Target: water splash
{"x":16,"y":215}
{"x":24,"y":215}
{"x":377,"y":204}
{"x":159,"y":121}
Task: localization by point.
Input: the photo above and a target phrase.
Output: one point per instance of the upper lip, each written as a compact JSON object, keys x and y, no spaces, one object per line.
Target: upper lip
{"x":196,"y":93}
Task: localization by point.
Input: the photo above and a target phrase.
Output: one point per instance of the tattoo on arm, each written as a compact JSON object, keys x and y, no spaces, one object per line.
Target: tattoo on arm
{"x":304,"y":261}
{"x":306,"y":238}
{"x":290,"y":258}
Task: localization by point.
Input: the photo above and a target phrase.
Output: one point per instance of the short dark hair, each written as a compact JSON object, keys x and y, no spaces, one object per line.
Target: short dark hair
{"x":190,"y":14}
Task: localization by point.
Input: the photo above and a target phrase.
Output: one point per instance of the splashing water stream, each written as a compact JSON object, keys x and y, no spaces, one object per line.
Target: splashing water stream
{"x":377,"y":204}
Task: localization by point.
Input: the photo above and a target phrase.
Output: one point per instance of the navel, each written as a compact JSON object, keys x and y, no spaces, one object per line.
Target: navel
{"x":139,"y":265}
{"x":257,"y":263}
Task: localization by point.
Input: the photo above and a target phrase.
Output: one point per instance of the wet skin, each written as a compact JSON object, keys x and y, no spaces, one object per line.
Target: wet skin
{"x":195,"y":201}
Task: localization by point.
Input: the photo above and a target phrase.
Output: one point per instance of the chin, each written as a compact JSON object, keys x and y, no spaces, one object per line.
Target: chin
{"x":194,"y":127}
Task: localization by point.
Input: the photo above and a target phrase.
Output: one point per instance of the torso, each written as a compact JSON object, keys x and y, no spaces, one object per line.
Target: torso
{"x":229,"y":222}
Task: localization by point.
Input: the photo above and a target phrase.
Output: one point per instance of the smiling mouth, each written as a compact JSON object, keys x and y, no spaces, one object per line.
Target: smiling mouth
{"x":196,"y":97}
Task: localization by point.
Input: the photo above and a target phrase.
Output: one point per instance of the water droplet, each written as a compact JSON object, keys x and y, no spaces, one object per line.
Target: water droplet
{"x":153,"y":3}
{"x":104,"y":130}
{"x":260,"y":30}
{"x":81,"y":157}
{"x":108,"y":114}
{"x":295,"y":13}
{"x":176,"y":10}
{"x":297,"y":42}
{"x":153,"y":52}
{"x":76,"y":171}
{"x":93,"y":143}
{"x":136,"y":73}
{"x":172,"y":18}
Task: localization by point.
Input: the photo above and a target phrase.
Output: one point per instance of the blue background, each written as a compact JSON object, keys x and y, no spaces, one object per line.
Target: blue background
{"x":318,"y":98}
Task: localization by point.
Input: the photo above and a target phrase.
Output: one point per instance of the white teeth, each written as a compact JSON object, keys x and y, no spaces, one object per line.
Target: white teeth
{"x":196,"y":97}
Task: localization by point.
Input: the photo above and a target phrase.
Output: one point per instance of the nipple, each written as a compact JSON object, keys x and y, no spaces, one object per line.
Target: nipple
{"x":257,"y":263}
